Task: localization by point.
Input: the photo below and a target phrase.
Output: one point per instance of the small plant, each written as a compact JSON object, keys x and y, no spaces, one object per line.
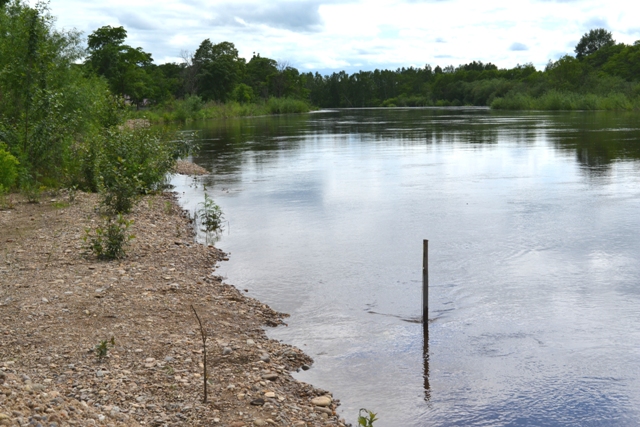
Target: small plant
{"x":72,"y":193}
{"x":6,"y":202}
{"x":210,"y":215}
{"x":32,"y":192}
{"x":103,"y":348}
{"x":367,"y":419}
{"x":8,"y":168}
{"x":109,"y":242}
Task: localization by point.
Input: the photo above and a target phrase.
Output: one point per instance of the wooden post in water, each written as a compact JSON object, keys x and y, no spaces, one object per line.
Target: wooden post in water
{"x":425,"y":281}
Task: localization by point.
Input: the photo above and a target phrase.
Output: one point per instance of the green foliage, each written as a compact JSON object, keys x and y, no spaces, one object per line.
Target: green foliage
{"x":593,"y":41}
{"x":286,"y":106}
{"x":555,"y":100}
{"x":8,"y":169}
{"x":366,"y":418}
{"x":102,"y":348}
{"x":129,"y":71}
{"x":210,"y":215}
{"x":219,"y":69}
{"x":32,"y":192}
{"x":242,"y":93}
{"x":174,"y":112}
{"x":47,"y":104}
{"x":6,"y":202}
{"x":131,"y":162}
{"x":109,"y":242}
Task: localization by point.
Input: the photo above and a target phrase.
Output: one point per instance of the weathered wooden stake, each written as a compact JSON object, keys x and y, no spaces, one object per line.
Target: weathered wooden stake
{"x":425,"y":281}
{"x":204,"y":352}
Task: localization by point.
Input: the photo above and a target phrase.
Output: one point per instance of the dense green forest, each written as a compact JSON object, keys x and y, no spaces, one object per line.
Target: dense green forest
{"x":63,"y":100}
{"x":602,"y":75}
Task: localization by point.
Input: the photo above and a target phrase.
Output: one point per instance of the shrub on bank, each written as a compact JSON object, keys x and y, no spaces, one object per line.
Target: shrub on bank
{"x":190,"y":110}
{"x":8,"y":169}
{"x":555,"y":100}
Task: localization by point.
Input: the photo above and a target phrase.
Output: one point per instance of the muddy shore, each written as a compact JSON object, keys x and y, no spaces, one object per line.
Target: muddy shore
{"x":57,"y":304}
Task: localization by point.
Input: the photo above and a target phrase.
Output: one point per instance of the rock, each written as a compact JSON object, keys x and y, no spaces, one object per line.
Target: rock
{"x":305,"y":367}
{"x":259,"y":422}
{"x":250,"y":342}
{"x":321,"y":401}
{"x":270,"y":376}
{"x":324,"y":410}
{"x":258,"y":402}
{"x":226,"y":350}
{"x":270,"y":394}
{"x":265,"y":358}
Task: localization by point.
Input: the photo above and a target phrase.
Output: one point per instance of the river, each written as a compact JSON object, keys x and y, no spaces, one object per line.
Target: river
{"x":533,"y":222}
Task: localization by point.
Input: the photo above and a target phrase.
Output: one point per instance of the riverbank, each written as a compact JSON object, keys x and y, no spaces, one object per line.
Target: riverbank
{"x":193,"y":108}
{"x":57,"y":305}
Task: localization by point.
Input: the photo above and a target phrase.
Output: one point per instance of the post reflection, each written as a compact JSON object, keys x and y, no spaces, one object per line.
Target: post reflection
{"x":425,"y":356}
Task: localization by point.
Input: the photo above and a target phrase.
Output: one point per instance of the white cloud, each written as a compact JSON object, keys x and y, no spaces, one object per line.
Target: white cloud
{"x":358,"y":34}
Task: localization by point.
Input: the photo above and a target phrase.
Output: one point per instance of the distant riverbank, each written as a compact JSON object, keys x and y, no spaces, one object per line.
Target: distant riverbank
{"x":193,"y":108}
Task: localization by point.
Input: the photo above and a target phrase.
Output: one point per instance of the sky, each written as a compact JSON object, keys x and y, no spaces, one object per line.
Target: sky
{"x":352,"y":35}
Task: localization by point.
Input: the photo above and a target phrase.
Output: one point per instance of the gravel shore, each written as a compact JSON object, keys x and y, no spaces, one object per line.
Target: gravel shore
{"x":57,"y":304}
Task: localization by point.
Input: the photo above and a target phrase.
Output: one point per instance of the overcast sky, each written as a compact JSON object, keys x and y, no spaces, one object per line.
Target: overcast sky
{"x":332,"y":35}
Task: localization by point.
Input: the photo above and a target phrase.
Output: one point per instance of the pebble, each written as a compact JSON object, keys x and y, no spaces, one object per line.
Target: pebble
{"x":322,"y":401}
{"x":270,"y":376}
{"x":152,"y":320}
{"x":258,"y":402}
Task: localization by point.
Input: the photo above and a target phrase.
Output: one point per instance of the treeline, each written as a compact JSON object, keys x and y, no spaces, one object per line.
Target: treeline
{"x":603,"y":75}
{"x":214,"y":72}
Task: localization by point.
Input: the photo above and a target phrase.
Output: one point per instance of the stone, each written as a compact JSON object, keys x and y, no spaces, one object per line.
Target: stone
{"x":265,"y":358}
{"x":305,"y":367}
{"x":259,"y":422}
{"x":271,"y":376}
{"x":250,"y":342}
{"x":270,"y":394}
{"x":321,"y":401}
{"x":258,"y":402}
{"x":226,"y":350}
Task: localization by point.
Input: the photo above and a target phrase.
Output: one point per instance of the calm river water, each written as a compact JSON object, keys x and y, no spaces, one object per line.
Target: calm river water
{"x":533,"y":221}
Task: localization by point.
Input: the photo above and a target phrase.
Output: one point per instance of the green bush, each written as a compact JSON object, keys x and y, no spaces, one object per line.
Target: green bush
{"x":210,"y":215}
{"x":8,"y":169}
{"x":132,"y":162}
{"x":109,"y":242}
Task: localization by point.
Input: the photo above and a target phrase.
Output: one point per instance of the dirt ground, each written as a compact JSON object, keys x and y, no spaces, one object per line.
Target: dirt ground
{"x":57,"y":304}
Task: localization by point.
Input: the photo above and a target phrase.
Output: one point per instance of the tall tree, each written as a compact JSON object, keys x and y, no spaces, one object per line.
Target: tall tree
{"x":124,"y":67}
{"x":219,"y":69}
{"x":593,"y":41}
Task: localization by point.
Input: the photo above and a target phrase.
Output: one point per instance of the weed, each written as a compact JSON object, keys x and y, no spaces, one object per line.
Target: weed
{"x":367,"y":419}
{"x":109,"y":242}
{"x":32,"y":192}
{"x":6,"y":201}
{"x":72,"y":193}
{"x":103,"y":348}
{"x":210,"y":215}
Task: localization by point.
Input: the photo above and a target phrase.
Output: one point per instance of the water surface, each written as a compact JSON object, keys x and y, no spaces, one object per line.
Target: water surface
{"x":534,"y":232}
